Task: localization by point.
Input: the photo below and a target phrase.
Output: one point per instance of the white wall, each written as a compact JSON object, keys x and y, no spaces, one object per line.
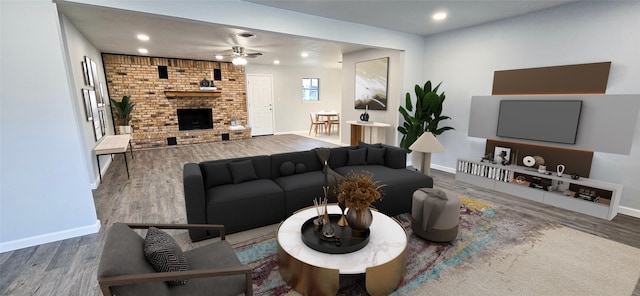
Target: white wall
{"x":78,"y":47}
{"x":583,"y":32}
{"x":395,"y":93}
{"x":44,"y":188}
{"x":290,"y":112}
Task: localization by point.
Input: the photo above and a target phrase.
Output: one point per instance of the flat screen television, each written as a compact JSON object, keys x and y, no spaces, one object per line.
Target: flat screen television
{"x":540,"y":120}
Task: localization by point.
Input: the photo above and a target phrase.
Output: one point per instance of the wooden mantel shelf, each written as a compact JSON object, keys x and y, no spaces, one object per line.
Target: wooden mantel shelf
{"x":197,"y":93}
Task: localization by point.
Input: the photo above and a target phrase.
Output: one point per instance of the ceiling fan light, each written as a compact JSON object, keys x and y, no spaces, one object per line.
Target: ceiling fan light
{"x":239,"y":61}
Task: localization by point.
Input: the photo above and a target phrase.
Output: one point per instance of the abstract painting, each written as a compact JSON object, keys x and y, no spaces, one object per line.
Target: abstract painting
{"x":371,"y":84}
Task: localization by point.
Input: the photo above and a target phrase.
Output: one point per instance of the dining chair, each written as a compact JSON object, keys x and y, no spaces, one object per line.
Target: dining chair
{"x":315,"y":123}
{"x":335,"y":120}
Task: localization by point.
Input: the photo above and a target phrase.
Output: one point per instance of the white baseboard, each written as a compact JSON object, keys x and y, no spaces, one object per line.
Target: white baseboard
{"x":49,"y":237}
{"x":629,"y":211}
{"x":443,"y":168}
{"x":96,"y":179}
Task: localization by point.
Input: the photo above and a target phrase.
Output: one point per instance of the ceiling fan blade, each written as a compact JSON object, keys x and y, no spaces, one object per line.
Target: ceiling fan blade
{"x":253,"y":55}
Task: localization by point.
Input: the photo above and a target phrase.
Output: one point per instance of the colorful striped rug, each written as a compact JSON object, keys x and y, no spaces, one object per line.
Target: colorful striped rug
{"x":483,"y":228}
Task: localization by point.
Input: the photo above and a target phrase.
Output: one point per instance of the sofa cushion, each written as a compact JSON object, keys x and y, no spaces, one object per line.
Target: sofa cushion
{"x":300,"y":168}
{"x":242,"y":171}
{"x":287,"y":168}
{"x":367,"y":145}
{"x":216,"y":173}
{"x":164,"y":253}
{"x":308,"y":158}
{"x":375,"y":155}
{"x":357,"y":157}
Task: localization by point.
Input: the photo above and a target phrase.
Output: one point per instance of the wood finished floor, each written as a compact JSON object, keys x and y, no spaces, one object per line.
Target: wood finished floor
{"x":154,"y":194}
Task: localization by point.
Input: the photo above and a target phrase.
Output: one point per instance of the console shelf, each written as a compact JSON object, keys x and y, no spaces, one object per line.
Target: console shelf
{"x":588,"y":196}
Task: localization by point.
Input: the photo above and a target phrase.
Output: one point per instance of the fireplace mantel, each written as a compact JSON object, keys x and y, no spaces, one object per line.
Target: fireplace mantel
{"x":199,"y":93}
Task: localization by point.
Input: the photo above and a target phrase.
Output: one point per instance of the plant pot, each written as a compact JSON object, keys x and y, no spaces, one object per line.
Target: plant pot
{"x":359,"y":219}
{"x":125,"y":129}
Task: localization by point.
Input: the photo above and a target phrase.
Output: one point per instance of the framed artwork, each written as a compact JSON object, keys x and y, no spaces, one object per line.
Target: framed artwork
{"x":87,"y":104}
{"x":87,"y":63}
{"x":96,"y":83}
{"x":85,"y":73}
{"x":101,"y":96}
{"x":103,"y":126}
{"x":97,"y":129}
{"x":502,"y":155}
{"x":371,"y":84}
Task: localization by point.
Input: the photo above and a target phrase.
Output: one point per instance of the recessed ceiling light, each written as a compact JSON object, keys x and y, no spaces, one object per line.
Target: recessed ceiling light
{"x":219,"y":57}
{"x":143,"y":37}
{"x":245,"y":35}
{"x":438,"y":16}
{"x":143,"y":50}
{"x":277,"y":62}
{"x":304,"y":54}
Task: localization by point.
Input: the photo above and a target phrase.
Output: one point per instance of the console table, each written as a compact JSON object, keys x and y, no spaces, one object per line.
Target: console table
{"x":382,"y":260}
{"x":114,"y":144}
{"x":368,"y":132}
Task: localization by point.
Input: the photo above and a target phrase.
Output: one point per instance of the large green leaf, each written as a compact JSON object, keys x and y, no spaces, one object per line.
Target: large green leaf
{"x":426,"y":117}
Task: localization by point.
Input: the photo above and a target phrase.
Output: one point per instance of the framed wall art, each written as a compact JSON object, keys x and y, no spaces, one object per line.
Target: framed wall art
{"x":87,"y":64}
{"x":97,"y":127}
{"x":87,"y":104}
{"x":371,"y":84}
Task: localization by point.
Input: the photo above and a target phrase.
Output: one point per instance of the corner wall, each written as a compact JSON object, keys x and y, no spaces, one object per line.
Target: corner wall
{"x":44,"y":188}
{"x":581,"y":32}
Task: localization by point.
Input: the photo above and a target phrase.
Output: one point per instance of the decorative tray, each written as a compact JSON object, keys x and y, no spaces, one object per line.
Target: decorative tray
{"x":345,"y":240}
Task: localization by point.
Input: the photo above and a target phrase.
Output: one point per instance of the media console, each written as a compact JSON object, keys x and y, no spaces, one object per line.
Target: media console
{"x":588,"y":196}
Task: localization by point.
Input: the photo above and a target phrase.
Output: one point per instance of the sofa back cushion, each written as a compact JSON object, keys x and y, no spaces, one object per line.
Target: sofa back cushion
{"x":303,"y":161}
{"x":242,"y":171}
{"x":339,"y":156}
{"x":216,"y":172}
{"x":123,"y":254}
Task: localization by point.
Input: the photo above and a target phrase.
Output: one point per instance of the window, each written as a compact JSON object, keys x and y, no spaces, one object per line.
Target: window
{"x":310,"y":89}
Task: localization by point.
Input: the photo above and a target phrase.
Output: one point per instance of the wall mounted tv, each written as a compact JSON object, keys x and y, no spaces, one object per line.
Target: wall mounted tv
{"x":540,"y":120}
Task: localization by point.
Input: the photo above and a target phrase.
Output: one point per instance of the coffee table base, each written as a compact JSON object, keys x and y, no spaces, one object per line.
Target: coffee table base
{"x":312,"y":280}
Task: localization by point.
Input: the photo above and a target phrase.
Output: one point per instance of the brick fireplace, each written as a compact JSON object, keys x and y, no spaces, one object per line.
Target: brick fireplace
{"x":155,"y":117}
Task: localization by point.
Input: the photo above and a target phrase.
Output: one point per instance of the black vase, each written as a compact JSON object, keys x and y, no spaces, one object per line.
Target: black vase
{"x":364,"y":116}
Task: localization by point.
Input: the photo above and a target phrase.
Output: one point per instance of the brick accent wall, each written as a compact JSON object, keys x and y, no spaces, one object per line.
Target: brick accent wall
{"x":154,"y":119}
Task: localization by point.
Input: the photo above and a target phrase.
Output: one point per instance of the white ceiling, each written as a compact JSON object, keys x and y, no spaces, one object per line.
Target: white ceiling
{"x":114,"y":31}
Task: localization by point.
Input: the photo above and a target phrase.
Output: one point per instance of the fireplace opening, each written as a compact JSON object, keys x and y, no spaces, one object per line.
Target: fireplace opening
{"x":194,"y":119}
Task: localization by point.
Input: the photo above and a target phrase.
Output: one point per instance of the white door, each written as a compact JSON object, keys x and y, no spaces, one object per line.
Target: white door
{"x":260,"y":101}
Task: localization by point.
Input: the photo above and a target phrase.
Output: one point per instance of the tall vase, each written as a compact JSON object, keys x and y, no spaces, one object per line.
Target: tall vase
{"x":359,"y":219}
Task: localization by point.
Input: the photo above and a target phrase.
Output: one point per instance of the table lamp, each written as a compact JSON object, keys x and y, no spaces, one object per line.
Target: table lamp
{"x":427,"y":144}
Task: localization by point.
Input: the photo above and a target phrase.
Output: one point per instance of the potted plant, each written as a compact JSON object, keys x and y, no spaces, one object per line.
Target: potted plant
{"x":427,"y":115}
{"x":123,"y":110}
{"x":357,"y":192}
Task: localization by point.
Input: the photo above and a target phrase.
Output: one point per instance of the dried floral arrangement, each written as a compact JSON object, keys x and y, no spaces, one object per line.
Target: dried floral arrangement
{"x":358,"y":191}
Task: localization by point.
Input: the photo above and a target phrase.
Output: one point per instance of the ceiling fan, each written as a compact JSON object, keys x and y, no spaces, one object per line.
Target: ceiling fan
{"x":239,"y":55}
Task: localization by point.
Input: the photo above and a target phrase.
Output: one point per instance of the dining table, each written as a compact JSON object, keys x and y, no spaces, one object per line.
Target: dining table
{"x":328,"y":117}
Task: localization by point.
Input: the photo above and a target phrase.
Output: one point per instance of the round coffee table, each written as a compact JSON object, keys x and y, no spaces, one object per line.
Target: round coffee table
{"x":382,"y":260}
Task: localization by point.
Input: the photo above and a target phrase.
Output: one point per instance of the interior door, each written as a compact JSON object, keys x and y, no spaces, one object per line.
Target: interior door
{"x":260,"y":101}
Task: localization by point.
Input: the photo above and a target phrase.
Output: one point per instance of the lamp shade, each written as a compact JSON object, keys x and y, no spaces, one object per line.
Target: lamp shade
{"x":427,"y":143}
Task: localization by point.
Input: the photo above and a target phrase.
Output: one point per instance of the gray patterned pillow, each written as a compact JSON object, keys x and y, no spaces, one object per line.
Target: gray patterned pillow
{"x":164,"y":254}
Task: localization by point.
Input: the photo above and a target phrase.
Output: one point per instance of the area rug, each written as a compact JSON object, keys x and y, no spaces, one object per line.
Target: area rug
{"x":497,"y":252}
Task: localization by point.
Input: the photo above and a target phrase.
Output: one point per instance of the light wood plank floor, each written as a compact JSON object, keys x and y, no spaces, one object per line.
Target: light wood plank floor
{"x":154,"y":194}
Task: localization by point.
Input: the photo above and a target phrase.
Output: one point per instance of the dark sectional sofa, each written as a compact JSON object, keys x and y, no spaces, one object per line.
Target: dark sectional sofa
{"x":249,"y":192}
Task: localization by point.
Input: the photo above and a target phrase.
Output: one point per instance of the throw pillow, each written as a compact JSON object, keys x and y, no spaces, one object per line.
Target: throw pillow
{"x":367,"y":145}
{"x":216,"y":174}
{"x":242,"y":171}
{"x":164,"y":254}
{"x":300,"y":168}
{"x":287,"y":168}
{"x":375,"y":155}
{"x":357,"y":157}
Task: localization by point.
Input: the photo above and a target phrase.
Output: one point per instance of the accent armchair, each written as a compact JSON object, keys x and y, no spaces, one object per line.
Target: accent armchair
{"x":214,"y":269}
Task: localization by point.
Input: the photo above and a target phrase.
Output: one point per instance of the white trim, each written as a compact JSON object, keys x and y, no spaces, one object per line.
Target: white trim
{"x":96,"y":179}
{"x":49,"y":237}
{"x":443,"y":168}
{"x":629,"y":211}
